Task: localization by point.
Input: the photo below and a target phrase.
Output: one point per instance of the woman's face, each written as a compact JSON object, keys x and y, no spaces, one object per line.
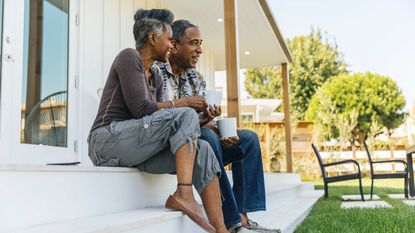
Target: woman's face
{"x":163,"y":45}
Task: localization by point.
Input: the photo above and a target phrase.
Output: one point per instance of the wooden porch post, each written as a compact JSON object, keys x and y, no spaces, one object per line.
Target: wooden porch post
{"x":267,"y":162}
{"x":232,"y":57}
{"x":34,"y":69}
{"x":287,"y":117}
{"x":35,"y":55}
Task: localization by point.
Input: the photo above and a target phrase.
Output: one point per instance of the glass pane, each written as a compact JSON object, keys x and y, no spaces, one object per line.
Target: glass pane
{"x":45,"y":73}
{"x":1,"y":48}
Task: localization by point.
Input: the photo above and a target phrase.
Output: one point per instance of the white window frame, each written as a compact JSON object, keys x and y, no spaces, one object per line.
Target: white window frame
{"x":11,"y":150}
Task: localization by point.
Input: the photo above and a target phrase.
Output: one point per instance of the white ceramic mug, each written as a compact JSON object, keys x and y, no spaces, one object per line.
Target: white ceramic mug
{"x":227,"y":127}
{"x":213,"y":97}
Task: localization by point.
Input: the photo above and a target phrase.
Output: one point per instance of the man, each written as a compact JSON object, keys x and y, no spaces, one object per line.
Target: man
{"x":181,"y":80}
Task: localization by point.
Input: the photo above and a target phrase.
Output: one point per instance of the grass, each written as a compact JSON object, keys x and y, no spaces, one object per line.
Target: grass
{"x":327,"y":217}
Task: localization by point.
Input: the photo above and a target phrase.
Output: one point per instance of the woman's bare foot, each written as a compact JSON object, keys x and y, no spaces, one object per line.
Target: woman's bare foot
{"x":184,"y":195}
{"x":184,"y":201}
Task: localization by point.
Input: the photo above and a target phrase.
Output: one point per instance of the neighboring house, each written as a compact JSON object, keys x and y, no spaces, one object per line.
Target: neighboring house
{"x":255,"y":110}
{"x":404,"y":135}
{"x":259,"y":110}
{"x":63,"y":49}
{"x":411,"y":127}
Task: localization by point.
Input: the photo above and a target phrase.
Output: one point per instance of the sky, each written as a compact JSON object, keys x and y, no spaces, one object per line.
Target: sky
{"x":54,"y":50}
{"x":373,"y":35}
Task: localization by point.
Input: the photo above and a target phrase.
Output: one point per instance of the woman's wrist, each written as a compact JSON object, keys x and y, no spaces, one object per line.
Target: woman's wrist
{"x":173,"y":104}
{"x":180,"y":102}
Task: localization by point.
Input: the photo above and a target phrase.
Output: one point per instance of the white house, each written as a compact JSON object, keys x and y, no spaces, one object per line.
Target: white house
{"x":258,"y":110}
{"x":55,"y":55}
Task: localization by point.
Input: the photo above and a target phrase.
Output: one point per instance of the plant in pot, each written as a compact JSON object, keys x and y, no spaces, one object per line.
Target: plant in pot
{"x":277,"y":149}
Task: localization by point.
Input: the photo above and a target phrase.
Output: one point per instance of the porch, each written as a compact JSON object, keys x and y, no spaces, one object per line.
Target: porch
{"x":67,"y":199}
{"x":39,"y":198}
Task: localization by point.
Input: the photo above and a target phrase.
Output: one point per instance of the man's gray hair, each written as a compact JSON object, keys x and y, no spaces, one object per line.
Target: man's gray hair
{"x":150,"y":21}
{"x":179,"y":27}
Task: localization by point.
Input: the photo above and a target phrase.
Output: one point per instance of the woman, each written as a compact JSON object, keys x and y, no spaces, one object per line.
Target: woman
{"x":133,"y":128}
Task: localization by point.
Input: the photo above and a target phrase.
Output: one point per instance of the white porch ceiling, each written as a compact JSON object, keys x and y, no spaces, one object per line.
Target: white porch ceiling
{"x":255,"y":32}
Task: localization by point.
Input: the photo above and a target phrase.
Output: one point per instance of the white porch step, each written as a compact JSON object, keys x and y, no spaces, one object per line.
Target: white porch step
{"x":102,"y":200}
{"x":289,"y":201}
{"x":33,"y":195}
{"x":148,"y":220}
{"x":286,"y":211}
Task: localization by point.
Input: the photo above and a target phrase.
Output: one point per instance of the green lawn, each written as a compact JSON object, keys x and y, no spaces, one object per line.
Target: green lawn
{"x":327,"y":217}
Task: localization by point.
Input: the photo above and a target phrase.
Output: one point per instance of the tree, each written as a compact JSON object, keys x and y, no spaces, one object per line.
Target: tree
{"x":264,"y":82}
{"x":315,"y":61}
{"x":374,"y":100}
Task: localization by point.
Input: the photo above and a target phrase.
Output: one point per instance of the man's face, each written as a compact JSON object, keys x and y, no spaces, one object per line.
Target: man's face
{"x":188,"y":52}
{"x":164,"y":45}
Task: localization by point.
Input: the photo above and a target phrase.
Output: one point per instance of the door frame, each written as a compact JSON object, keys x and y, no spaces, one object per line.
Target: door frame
{"x":13,"y":33}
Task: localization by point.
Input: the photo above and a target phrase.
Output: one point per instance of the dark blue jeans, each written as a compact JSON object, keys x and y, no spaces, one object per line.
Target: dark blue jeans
{"x":248,"y":191}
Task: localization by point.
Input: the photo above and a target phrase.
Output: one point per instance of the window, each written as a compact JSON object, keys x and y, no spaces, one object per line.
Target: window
{"x":247,"y":117}
{"x":45,"y":73}
{"x":1,"y":49}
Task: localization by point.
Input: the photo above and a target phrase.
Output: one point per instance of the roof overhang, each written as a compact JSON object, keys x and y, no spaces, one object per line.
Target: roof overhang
{"x":259,"y":33}
{"x":62,"y":5}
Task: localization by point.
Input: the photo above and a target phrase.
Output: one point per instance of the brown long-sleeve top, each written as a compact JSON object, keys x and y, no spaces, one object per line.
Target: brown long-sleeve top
{"x":127,"y":94}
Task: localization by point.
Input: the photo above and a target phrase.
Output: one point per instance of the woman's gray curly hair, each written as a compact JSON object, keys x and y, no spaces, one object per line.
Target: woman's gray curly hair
{"x":150,"y":21}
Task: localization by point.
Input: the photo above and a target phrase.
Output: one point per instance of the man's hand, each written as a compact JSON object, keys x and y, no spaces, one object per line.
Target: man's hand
{"x":215,"y":110}
{"x":209,"y":114}
{"x":213,"y":125}
{"x":230,"y":141}
{"x":205,"y":117}
{"x":226,"y":142}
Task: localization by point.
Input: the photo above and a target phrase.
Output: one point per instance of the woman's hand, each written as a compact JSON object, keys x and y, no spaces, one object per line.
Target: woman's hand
{"x":196,"y":102}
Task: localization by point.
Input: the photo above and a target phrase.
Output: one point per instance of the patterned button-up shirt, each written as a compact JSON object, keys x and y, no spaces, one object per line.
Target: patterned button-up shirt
{"x":190,"y":83}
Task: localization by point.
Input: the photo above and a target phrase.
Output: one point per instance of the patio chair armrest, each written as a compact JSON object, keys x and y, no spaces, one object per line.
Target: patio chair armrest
{"x":391,"y":161}
{"x":341,"y":162}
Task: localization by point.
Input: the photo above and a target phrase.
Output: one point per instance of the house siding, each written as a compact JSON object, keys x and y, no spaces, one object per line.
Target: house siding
{"x":106,"y":29}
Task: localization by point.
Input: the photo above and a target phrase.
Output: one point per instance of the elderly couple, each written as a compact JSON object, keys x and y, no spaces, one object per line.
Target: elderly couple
{"x":152,"y":116}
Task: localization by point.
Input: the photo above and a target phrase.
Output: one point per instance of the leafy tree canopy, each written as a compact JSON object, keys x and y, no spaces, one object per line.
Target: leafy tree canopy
{"x":264,"y":82}
{"x":316,"y":59}
{"x":372,"y":101}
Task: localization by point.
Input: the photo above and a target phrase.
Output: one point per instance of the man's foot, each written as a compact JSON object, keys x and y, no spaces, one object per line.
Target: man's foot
{"x":255,"y":227}
{"x":238,"y":228}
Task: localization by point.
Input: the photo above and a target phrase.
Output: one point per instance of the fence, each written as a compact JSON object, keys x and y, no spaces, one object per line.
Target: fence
{"x":272,"y":141}
{"x":396,"y":152}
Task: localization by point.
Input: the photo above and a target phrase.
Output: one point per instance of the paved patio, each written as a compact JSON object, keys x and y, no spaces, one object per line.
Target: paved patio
{"x":354,"y":201}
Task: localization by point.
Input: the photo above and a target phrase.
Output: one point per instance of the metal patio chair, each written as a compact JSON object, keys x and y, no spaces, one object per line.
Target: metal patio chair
{"x":46,"y":122}
{"x":330,"y":179}
{"x":392,"y":175}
